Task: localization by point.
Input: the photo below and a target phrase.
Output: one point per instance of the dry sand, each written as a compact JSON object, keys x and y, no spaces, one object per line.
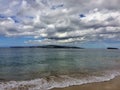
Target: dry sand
{"x":113,"y":84}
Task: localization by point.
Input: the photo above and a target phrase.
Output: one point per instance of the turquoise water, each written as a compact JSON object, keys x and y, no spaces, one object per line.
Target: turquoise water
{"x":25,"y":64}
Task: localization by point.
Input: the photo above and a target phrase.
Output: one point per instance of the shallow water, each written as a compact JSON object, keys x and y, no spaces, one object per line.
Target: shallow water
{"x":47,"y":68}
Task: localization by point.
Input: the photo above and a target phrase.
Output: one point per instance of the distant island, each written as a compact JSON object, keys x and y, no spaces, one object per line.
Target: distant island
{"x":48,"y":46}
{"x":112,"y":48}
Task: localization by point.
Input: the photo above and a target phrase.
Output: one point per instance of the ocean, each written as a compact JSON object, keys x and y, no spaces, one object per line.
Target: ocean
{"x":47,"y":68}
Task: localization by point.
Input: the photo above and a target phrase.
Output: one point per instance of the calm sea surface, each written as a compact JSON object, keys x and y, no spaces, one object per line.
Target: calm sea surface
{"x":21,"y":64}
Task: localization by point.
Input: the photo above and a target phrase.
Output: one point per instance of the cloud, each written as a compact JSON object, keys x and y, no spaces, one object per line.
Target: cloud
{"x":60,"y":21}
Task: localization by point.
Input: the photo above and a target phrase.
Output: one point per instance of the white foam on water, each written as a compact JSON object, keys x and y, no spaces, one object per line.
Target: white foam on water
{"x":63,"y":81}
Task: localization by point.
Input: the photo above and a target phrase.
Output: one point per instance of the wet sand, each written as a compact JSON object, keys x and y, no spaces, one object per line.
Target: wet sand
{"x":113,"y":84}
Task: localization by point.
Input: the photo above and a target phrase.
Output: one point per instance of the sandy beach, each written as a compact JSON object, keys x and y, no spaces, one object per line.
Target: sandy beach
{"x":113,"y":84}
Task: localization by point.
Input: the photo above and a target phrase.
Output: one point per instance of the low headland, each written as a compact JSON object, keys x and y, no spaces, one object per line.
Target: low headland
{"x":112,"y":48}
{"x":48,"y":46}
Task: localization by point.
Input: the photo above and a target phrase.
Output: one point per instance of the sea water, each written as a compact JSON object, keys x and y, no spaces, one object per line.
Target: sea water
{"x":43,"y":68}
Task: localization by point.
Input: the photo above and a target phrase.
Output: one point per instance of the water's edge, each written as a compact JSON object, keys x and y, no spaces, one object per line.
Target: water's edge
{"x":56,"y":82}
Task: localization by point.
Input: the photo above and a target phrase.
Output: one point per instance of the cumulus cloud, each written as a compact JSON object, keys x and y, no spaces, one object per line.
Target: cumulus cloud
{"x":60,"y":21}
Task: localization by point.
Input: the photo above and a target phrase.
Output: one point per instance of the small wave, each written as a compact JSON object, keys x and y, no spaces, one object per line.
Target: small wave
{"x":56,"y":82}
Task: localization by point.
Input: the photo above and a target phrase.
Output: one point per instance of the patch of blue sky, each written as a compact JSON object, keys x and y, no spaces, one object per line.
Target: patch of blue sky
{"x":15,"y":19}
{"x":18,"y":19}
{"x":14,"y":41}
{"x":82,"y":15}
{"x":111,"y":41}
{"x":2,"y":16}
{"x":41,"y":38}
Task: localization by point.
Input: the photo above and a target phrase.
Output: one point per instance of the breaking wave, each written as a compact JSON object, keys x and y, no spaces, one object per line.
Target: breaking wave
{"x":56,"y":82}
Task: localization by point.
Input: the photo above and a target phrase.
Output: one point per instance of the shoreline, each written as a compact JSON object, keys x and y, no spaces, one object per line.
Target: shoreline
{"x":113,"y":84}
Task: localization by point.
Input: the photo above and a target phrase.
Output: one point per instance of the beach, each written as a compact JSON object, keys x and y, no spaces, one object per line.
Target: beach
{"x":113,"y":84}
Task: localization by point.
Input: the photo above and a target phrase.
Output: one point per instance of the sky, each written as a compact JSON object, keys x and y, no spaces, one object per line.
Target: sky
{"x":85,"y":23}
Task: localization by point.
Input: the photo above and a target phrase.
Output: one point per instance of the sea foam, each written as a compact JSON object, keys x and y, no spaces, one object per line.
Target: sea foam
{"x":56,"y":82}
